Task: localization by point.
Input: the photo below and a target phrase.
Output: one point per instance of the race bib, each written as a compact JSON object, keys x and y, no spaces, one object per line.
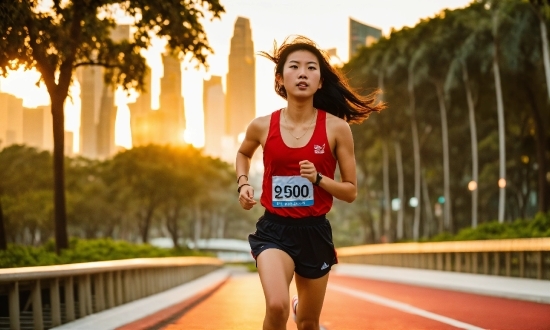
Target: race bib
{"x":291,"y":191}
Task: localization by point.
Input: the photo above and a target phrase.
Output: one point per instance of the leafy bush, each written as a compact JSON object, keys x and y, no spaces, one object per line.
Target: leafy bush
{"x":85,"y":251}
{"x":24,"y":256}
{"x":539,"y":226}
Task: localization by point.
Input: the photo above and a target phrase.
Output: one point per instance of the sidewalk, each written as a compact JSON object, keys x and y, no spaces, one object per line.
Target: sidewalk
{"x":160,"y":305}
{"x":499,"y":286}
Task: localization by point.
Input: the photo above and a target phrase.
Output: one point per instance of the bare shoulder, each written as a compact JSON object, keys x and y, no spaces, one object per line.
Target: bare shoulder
{"x":336,"y":125}
{"x":260,"y":123}
{"x":258,"y":128}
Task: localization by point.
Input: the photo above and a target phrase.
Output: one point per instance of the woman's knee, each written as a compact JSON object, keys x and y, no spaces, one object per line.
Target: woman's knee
{"x":278,"y":308}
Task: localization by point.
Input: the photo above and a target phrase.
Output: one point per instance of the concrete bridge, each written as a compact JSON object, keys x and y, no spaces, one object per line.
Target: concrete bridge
{"x":501,"y":284}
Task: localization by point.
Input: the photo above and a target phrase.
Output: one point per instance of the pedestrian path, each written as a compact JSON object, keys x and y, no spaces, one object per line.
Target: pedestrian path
{"x":240,"y":305}
{"x":498,"y":286}
{"x":155,"y":306}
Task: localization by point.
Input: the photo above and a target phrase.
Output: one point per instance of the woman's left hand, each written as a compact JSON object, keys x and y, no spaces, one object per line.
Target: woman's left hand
{"x":308,"y":170}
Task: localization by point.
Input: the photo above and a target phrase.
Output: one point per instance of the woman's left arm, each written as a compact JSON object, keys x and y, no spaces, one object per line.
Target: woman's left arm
{"x":346,"y":189}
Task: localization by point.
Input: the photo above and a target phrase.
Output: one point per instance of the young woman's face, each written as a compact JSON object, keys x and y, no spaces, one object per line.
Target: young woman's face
{"x":301,"y":74}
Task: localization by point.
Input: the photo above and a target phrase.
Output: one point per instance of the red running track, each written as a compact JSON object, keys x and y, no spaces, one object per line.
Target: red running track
{"x":355,"y":303}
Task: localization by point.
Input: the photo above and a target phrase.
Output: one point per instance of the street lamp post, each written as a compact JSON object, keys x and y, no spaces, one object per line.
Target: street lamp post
{"x":472,"y":186}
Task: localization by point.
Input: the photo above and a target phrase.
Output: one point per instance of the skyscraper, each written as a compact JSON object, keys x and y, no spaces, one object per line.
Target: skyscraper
{"x":361,"y":35}
{"x":139,"y":111}
{"x":91,"y":88}
{"x":240,"y":106}
{"x":167,"y":124}
{"x":171,"y":111}
{"x":214,"y":116}
{"x":38,"y":127}
{"x":98,"y":110}
{"x":105,"y":142}
{"x":11,"y":120}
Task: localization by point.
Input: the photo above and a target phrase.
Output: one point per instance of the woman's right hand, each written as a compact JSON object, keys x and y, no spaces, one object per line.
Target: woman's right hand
{"x":246,"y":197}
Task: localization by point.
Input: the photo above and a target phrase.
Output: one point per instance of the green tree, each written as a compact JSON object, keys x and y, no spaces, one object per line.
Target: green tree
{"x":67,"y":34}
{"x":466,"y":50}
{"x":25,"y":173}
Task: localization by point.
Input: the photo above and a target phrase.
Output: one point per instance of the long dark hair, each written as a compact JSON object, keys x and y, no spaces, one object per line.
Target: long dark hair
{"x":336,"y":96}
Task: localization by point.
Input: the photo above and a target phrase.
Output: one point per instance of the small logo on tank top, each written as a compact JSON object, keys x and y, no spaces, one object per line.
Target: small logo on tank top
{"x":319,"y":149}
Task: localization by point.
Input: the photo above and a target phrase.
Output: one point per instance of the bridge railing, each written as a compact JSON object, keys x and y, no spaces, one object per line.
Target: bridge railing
{"x":528,"y":258}
{"x":47,"y":296}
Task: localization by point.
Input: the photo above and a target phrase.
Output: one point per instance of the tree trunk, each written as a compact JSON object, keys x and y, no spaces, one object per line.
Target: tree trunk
{"x":427,"y":206}
{"x":473,"y":140}
{"x":172,"y":225}
{"x":545,"y":52}
{"x":387,"y":198}
{"x":400,"y":189}
{"x":3,"y":239}
{"x":447,"y":215}
{"x":541,"y":145}
{"x":58,"y":117}
{"x":385,"y":173}
{"x":146,"y":224}
{"x":416,"y":150}
{"x":221,"y":226}
{"x":501,"y":127}
{"x":197,"y":233}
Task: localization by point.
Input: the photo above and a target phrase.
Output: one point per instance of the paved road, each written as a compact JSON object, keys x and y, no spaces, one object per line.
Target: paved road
{"x":358,"y":303}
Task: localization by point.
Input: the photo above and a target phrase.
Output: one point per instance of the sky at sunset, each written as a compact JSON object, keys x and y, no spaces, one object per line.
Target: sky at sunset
{"x":324,"y":21}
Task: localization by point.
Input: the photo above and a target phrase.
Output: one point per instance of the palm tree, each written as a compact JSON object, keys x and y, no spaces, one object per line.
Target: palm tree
{"x":486,"y":11}
{"x":473,"y":140}
{"x":465,"y":25}
{"x":415,"y":36}
{"x":434,"y":57}
{"x":378,"y":61}
{"x":540,"y":7}
{"x":403,"y":60}
{"x":500,"y":110}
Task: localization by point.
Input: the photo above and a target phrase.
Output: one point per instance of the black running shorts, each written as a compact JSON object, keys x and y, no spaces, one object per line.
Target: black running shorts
{"x":308,"y":241}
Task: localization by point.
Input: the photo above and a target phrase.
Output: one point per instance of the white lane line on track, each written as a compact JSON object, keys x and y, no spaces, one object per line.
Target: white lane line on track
{"x":402,"y":307}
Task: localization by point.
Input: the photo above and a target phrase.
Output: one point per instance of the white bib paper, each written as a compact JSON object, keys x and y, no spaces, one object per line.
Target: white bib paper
{"x":291,"y":191}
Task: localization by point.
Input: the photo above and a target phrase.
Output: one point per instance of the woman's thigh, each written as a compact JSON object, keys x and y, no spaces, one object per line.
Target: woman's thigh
{"x":311,"y":294}
{"x":276,"y":269}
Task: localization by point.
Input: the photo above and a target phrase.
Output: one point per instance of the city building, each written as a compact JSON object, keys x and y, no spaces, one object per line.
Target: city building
{"x":171,"y":110}
{"x":240,"y":106}
{"x":38,"y":127}
{"x":11,"y":120}
{"x":334,"y":58}
{"x":214,"y":117}
{"x":139,"y":111}
{"x":98,"y":110}
{"x":361,"y":35}
{"x":91,"y":89}
{"x":167,"y":124}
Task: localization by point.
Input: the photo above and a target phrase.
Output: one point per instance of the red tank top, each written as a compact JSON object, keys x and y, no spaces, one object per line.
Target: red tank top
{"x":284,"y":192}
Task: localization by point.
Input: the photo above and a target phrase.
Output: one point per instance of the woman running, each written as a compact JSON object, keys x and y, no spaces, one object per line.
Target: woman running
{"x":302,"y":144}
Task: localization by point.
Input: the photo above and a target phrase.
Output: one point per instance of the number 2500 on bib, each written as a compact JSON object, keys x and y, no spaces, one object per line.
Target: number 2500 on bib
{"x":291,"y":191}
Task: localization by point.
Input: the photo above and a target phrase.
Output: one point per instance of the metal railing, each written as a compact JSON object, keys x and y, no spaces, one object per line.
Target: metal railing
{"x":527,"y":258}
{"x":47,"y":296}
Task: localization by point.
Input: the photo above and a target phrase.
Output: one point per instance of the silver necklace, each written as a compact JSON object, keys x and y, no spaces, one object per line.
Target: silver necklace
{"x":308,"y":127}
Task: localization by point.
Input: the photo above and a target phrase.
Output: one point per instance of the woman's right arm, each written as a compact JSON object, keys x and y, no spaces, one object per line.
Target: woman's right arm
{"x":251,"y":142}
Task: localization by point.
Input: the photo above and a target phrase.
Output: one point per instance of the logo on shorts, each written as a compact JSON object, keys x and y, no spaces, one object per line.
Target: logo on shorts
{"x":319,"y":149}
{"x":324,"y":266}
